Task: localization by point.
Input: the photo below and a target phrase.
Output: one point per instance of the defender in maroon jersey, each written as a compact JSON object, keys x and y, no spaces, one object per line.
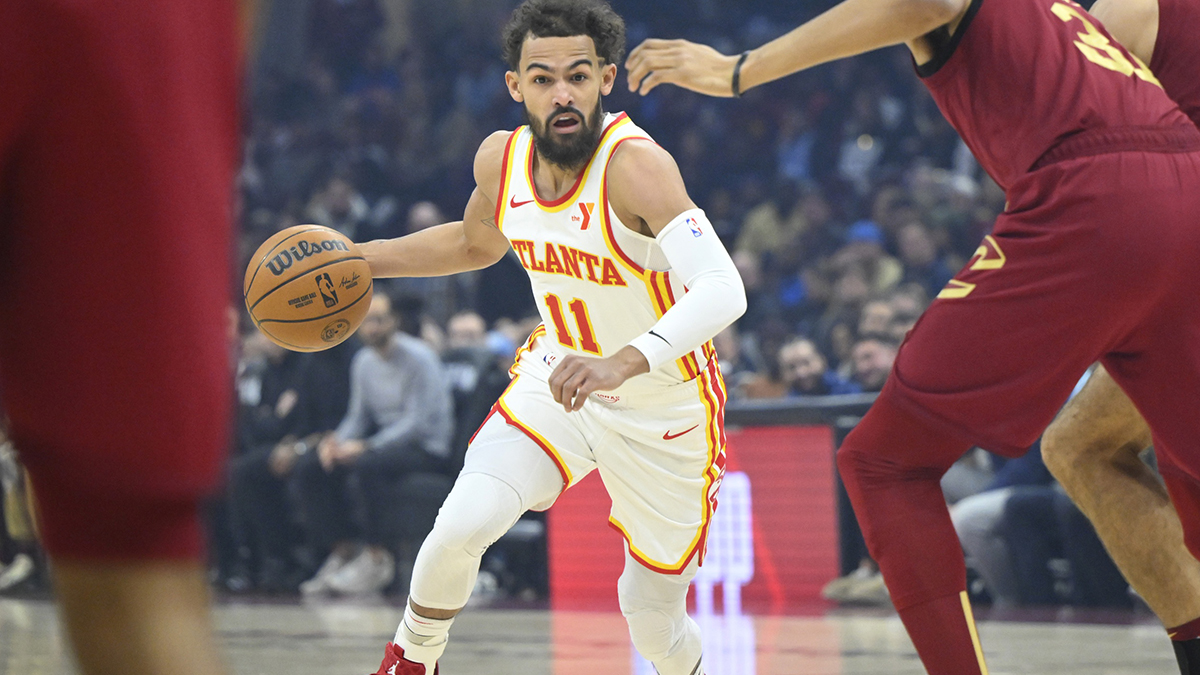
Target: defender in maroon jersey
{"x":1093,"y":445}
{"x":1096,"y":258}
{"x":118,"y":146}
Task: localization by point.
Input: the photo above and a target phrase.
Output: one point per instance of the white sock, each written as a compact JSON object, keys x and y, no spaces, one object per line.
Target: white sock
{"x":422,"y":639}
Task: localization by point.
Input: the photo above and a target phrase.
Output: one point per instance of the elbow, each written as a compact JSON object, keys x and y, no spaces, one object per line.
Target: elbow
{"x":735,"y":304}
{"x":740,"y":303}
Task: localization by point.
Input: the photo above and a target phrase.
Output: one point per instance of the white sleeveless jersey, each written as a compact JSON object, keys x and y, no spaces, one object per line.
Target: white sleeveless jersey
{"x":597,"y":283}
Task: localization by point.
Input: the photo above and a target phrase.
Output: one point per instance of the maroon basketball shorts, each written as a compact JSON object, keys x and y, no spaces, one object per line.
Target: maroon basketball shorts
{"x":118,"y":139}
{"x":1097,"y":258}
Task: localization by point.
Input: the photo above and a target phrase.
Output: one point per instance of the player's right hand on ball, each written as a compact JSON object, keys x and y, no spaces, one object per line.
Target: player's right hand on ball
{"x":686,"y":64}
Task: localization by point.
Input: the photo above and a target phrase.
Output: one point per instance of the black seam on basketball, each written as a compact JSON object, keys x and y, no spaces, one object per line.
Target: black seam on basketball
{"x":283,"y":342}
{"x":323,"y":316}
{"x":272,"y":250}
{"x":313,"y":269}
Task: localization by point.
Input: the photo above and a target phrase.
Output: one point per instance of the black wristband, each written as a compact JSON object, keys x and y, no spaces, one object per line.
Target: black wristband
{"x":737,"y":74}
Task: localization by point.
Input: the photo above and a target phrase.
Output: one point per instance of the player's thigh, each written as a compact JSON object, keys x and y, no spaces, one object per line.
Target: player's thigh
{"x":528,"y":407}
{"x":999,"y":351}
{"x":509,"y":455}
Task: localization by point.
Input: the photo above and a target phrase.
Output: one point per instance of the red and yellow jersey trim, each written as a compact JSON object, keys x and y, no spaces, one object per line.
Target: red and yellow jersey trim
{"x":565,"y":201}
{"x":537,"y":333}
{"x":713,"y":395}
{"x":502,"y":408}
{"x":610,"y":239}
{"x":510,"y":148}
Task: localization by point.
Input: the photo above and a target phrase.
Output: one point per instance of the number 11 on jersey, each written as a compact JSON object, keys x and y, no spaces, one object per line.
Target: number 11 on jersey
{"x":587,"y":336}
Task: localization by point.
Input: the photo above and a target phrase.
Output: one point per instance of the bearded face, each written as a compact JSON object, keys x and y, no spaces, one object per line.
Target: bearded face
{"x":567,"y":137}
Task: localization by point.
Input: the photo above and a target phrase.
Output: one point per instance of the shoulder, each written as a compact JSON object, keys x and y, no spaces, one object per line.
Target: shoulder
{"x":641,"y":169}
{"x":641,"y":159}
{"x":644,"y":180}
{"x":489,"y":161}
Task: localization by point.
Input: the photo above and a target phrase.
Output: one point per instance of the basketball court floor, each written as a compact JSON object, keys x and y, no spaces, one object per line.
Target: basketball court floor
{"x":347,"y":638}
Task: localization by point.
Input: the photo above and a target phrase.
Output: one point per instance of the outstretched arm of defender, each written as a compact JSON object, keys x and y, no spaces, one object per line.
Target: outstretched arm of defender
{"x":645,"y":186}
{"x":852,"y":27}
{"x":468,"y":244}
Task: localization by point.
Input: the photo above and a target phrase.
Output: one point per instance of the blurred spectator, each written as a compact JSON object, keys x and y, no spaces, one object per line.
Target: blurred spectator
{"x":979,"y":522}
{"x":876,"y":318}
{"x":907,"y":303}
{"x":922,"y":265}
{"x":1041,"y":526}
{"x":306,"y":396}
{"x":734,"y":358}
{"x":872,"y":357}
{"x":467,"y":352}
{"x":440,"y":296}
{"x":864,"y":249}
{"x":399,"y":421}
{"x":262,"y":531}
{"x":25,"y":569}
{"x":339,"y":206}
{"x":806,"y":373}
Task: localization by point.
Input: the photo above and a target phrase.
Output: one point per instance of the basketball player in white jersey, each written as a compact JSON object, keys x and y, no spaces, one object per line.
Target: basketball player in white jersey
{"x":632,"y":283}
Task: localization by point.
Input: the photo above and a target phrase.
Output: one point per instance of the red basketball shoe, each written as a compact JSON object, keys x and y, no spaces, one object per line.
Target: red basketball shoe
{"x":394,"y":663}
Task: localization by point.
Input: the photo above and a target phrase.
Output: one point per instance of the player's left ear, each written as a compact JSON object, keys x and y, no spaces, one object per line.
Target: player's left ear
{"x":608,"y":77}
{"x":514,"y":86}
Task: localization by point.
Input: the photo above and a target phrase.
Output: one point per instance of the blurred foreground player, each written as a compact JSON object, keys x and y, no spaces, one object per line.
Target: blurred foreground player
{"x":118,"y":141}
{"x":1093,"y":445}
{"x":632,"y":284}
{"x":1095,"y":258}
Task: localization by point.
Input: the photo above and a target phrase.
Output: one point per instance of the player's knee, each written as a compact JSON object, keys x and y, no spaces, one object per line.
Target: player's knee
{"x":654,"y":632}
{"x":478,"y":511}
{"x":655,"y":607}
{"x":1060,"y":451}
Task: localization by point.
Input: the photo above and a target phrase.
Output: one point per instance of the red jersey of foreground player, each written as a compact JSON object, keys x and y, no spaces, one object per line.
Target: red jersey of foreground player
{"x":118,"y":142}
{"x":1012,"y":84}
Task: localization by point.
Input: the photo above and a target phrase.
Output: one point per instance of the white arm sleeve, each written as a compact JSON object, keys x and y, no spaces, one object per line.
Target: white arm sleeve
{"x":715,"y":297}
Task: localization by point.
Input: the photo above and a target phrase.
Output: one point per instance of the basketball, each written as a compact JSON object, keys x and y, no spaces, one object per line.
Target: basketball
{"x":307,"y":288}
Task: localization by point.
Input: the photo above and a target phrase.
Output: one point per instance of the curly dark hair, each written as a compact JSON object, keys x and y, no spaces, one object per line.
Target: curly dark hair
{"x":566,"y":18}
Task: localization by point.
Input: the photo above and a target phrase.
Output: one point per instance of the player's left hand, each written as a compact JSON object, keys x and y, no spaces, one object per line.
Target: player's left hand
{"x":577,"y":376}
{"x":686,"y":64}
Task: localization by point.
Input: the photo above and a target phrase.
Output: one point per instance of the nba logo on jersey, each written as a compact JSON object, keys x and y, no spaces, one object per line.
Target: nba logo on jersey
{"x":694,"y":226}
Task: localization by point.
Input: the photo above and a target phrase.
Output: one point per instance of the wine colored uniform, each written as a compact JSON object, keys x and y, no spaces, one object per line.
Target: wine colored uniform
{"x":118,"y":143}
{"x":1176,"y":64}
{"x":1096,"y":250}
{"x":1096,"y":257}
{"x":1176,"y":59}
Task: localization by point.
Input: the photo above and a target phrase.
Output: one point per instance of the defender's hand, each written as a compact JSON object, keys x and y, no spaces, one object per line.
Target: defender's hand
{"x":686,"y":64}
{"x":577,"y":376}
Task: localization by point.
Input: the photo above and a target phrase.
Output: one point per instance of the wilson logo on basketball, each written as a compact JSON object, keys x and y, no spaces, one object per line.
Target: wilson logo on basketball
{"x":285,"y":258}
